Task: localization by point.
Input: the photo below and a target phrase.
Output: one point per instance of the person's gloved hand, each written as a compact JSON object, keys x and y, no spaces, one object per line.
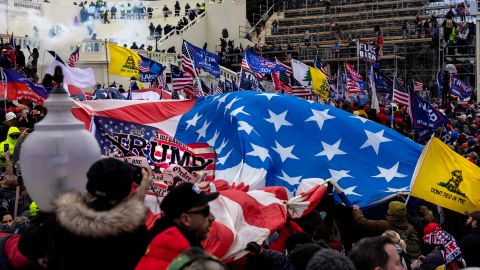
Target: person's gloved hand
{"x":254,"y":248}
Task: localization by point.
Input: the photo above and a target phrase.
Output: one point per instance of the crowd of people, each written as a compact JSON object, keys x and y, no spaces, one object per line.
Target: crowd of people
{"x":105,"y":228}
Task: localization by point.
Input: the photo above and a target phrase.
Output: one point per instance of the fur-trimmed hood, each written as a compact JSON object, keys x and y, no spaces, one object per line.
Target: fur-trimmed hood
{"x":74,"y":215}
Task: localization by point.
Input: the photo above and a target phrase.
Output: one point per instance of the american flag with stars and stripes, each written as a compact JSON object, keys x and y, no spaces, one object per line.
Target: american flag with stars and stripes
{"x":143,"y":66}
{"x":187,"y":62}
{"x":269,"y":139}
{"x":353,"y":86}
{"x":417,"y":86}
{"x":219,"y":89}
{"x":180,"y":81}
{"x":352,"y":73}
{"x":245,"y":66}
{"x":400,"y":93}
{"x":74,"y":57}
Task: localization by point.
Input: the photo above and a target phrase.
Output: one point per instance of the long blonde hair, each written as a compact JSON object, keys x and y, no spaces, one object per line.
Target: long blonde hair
{"x":395,"y":238}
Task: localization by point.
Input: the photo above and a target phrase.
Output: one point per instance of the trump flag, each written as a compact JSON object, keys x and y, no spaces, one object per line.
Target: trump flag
{"x":268,"y":139}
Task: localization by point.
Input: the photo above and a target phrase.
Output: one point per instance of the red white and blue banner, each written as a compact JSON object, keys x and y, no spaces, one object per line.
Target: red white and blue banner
{"x":268,"y":139}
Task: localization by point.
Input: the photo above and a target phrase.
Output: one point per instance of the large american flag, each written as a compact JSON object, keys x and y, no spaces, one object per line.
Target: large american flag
{"x":180,"y":80}
{"x":74,"y":57}
{"x":400,"y":93}
{"x":266,"y":139}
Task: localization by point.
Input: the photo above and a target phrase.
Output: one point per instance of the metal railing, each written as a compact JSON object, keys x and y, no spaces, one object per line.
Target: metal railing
{"x":181,"y":31}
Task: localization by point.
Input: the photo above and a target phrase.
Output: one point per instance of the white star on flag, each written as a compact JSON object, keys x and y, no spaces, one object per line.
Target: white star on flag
{"x":230,"y":104}
{"x":284,"y":152}
{"x":237,"y":111}
{"x":221,"y":100}
{"x":202,"y":132}
{"x":193,"y":121}
{"x":320,"y":117}
{"x":220,"y":148}
{"x":337,"y":175}
{"x":374,"y":140}
{"x":389,"y":174}
{"x":403,"y":189}
{"x":258,"y":151}
{"x":214,"y":138}
{"x":350,"y":191}
{"x":363,"y":119}
{"x":269,"y":96}
{"x":289,"y":179}
{"x":221,"y":160}
{"x":330,"y":150}
{"x":242,"y":125}
{"x":278,"y":120}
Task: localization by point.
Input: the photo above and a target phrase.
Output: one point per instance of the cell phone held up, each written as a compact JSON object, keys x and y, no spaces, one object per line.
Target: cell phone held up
{"x":6,"y":147}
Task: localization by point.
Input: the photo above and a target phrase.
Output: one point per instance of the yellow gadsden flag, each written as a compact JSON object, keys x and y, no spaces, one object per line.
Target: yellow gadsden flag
{"x":447,"y":179}
{"x":123,"y":61}
{"x":320,"y":83}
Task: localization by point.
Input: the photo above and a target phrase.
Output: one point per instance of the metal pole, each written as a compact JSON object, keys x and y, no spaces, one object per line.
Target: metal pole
{"x":477,"y":56}
{"x":108,"y":75}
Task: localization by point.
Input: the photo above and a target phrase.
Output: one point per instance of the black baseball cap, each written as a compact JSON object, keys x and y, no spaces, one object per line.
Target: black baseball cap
{"x":183,"y":198}
{"x":110,"y":178}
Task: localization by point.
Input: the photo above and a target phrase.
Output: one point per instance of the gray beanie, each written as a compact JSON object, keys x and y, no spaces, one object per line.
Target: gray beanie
{"x":329,"y":259}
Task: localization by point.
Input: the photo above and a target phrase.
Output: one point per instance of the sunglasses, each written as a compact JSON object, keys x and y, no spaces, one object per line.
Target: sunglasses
{"x":204,"y":212}
{"x":14,"y":136}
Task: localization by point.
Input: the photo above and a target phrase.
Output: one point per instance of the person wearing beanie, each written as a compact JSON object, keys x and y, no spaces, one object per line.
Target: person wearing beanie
{"x":185,"y":223}
{"x":104,"y":228}
{"x":329,"y":259}
{"x":395,"y":220}
{"x":437,"y":238}
{"x":10,"y":121}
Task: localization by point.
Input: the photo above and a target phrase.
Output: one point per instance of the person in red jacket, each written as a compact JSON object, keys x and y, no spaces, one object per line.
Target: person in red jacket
{"x":186,"y":222}
{"x":382,"y":117}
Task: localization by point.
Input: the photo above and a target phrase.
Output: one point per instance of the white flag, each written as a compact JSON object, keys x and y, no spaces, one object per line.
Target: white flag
{"x":301,"y":73}
{"x":80,"y":77}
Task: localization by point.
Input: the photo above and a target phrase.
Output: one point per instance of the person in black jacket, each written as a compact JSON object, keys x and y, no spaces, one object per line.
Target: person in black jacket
{"x":470,"y":243}
{"x":104,"y":228}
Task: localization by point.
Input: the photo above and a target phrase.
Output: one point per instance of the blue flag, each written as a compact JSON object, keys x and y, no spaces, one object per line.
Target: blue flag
{"x":460,"y":88}
{"x":424,"y":115}
{"x":149,"y":69}
{"x":204,"y":59}
{"x":281,"y":140}
{"x":248,"y":81}
{"x":261,"y":65}
{"x":382,"y":82}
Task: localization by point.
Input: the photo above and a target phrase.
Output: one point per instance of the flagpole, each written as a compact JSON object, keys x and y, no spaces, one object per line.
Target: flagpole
{"x":108,"y":75}
{"x":358,"y":55}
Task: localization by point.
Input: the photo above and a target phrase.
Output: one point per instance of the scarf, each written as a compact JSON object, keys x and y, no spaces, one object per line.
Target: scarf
{"x":450,"y":249}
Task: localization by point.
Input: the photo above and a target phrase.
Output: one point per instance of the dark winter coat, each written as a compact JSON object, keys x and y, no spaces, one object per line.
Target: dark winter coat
{"x":470,"y":246}
{"x":87,"y":239}
{"x":396,"y":223}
